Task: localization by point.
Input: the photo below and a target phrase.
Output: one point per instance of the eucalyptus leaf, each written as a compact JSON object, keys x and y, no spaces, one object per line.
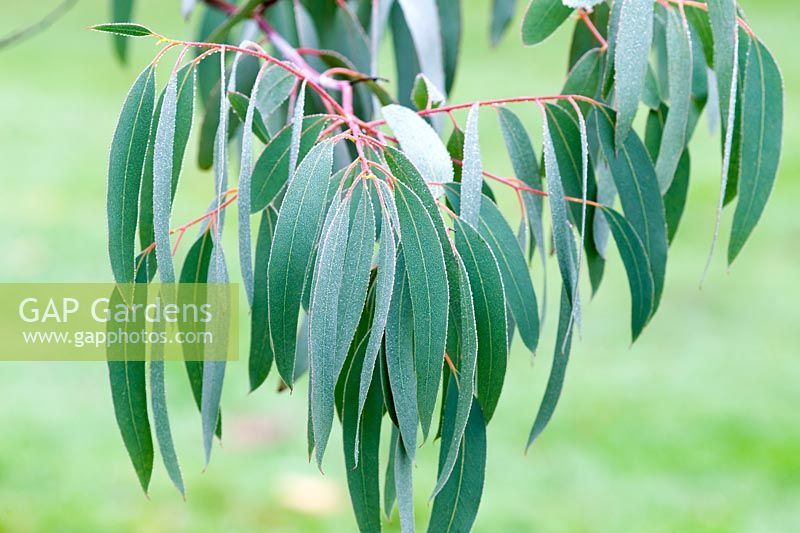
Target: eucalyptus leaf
{"x":634,"y":38}
{"x":471,"y":176}
{"x":428,"y":287}
{"x":456,"y":505}
{"x":542,"y":18}
{"x":299,"y":222}
{"x":126,"y":161}
{"x":421,"y":145}
{"x":762,"y":127}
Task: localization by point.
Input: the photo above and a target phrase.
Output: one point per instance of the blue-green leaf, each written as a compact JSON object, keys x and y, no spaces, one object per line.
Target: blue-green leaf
{"x":422,"y":17}
{"x":404,"y":487}
{"x":428,"y":287}
{"x":260,"y":348}
{"x":240,"y":103}
{"x":214,"y":370}
{"x":467,"y":364}
{"x":762,"y":132}
{"x":158,"y":400}
{"x":271,"y":171}
{"x":400,"y":358}
{"x":674,"y":137}
{"x":384,"y":286}
{"x":634,"y":38}
{"x":637,"y":185}
{"x":490,"y":314}
{"x":421,"y":145}
{"x":245,"y":194}
{"x":471,"y":173}
{"x":542,"y":18}
{"x":297,"y":128}
{"x":194,"y":276}
{"x":363,"y":476}
{"x":128,"y":149}
{"x":502,"y":15}
{"x":126,"y":372}
{"x":558,"y":370}
{"x":450,"y":21}
{"x":456,"y":505}
{"x":323,"y":346}
{"x":563,"y":239}
{"x":526,"y":168}
{"x":640,"y":279}
{"x":516,"y":277}
{"x":722,"y":16}
{"x":164,"y":148}
{"x":183,"y":126}
{"x":299,"y":222}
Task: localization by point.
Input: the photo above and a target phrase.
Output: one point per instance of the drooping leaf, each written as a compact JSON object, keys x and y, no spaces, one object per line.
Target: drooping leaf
{"x":260,"y":348}
{"x":389,"y":489}
{"x":542,"y":18}
{"x":164,"y":148}
{"x":297,"y":128}
{"x":502,"y":15}
{"x":405,"y":55}
{"x":722,"y":18}
{"x":271,"y":171}
{"x":558,"y":370}
{"x":128,"y":149}
{"x":245,"y":192}
{"x":213,"y":369}
{"x":405,"y":172}
{"x":526,"y":168}
{"x":384,"y":287}
{"x":422,"y":17}
{"x":326,"y":357}
{"x":421,"y":145}
{"x":673,"y":139}
{"x":490,"y":314}
{"x":364,"y":435}
{"x":243,"y":73}
{"x":299,"y":222}
{"x":519,"y":292}
{"x":637,"y":185}
{"x":404,"y":487}
{"x":634,"y":38}
{"x":428,"y":288}
{"x":184,"y":116}
{"x":676,"y":196}
{"x":471,"y":176}
{"x":762,"y":132}
{"x":563,"y":240}
{"x":158,"y":401}
{"x":194,"y":275}
{"x":240,"y":103}
{"x":400,"y":358}
{"x":467,"y":364}
{"x":126,"y":372}
{"x":456,"y":505}
{"x":569,"y":136}
{"x":640,"y":279}
{"x":450,"y":29}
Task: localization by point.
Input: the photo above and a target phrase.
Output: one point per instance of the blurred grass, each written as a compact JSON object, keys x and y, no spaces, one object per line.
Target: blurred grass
{"x":695,"y":428}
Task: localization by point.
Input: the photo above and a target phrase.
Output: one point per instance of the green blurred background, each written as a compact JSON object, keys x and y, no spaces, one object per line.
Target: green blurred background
{"x":695,"y":428}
